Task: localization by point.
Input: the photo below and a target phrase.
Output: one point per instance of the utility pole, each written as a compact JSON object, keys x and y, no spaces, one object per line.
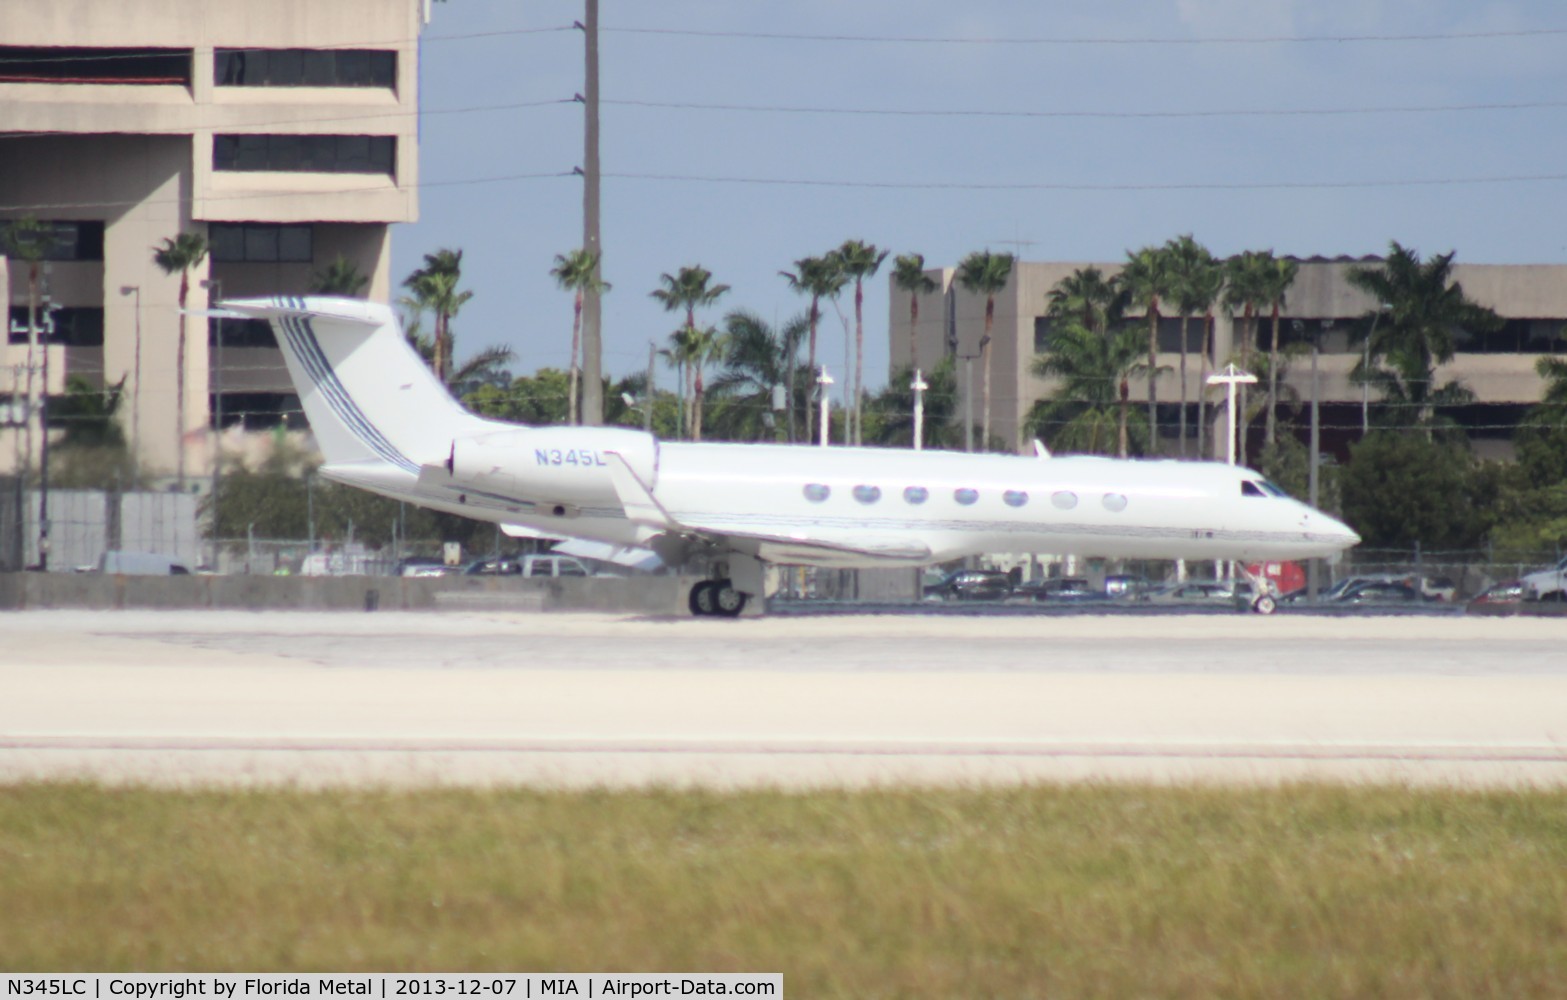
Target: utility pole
{"x":214,"y":287}
{"x":825,"y":381}
{"x":592,"y":312}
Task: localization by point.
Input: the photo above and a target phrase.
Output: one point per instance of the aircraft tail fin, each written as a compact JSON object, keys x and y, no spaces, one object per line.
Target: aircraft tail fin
{"x":368,"y":395}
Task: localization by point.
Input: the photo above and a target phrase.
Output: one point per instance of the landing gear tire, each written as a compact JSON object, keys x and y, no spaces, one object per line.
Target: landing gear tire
{"x":1264,"y":605}
{"x":727,"y":601}
{"x":701,"y":600}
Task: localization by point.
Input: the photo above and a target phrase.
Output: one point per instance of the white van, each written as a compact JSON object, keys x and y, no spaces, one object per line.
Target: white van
{"x":141,"y":564}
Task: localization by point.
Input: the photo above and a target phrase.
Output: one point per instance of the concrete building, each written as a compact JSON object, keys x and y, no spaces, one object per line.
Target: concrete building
{"x":282,"y":131}
{"x":1498,"y":367}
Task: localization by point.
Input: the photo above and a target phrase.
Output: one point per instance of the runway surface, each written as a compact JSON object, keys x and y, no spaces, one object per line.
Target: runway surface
{"x":577,"y":699}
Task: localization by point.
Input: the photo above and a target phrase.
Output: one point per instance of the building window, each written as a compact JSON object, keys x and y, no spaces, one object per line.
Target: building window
{"x":965,"y":496}
{"x":916,"y":495}
{"x":69,"y":326}
{"x":867,"y":494}
{"x":816,"y":492}
{"x":259,"y":411}
{"x":69,"y":239}
{"x":242,"y":332}
{"x":260,"y":242}
{"x":304,"y":68}
{"x":66,"y":64}
{"x":324,"y":154}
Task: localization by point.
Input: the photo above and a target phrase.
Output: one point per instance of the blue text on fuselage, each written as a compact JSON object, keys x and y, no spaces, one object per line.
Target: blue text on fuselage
{"x":571,"y":456}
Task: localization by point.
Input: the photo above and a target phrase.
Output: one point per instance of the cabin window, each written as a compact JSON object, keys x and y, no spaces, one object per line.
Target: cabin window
{"x":916,"y":495}
{"x":867,"y":494}
{"x":965,"y":496}
{"x":1114,"y":502}
{"x":1064,"y":499}
{"x":1015,"y":498}
{"x":1251,"y":489}
{"x":816,"y":492}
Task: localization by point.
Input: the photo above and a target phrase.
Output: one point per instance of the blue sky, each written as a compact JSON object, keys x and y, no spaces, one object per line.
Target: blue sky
{"x":1151,"y":147}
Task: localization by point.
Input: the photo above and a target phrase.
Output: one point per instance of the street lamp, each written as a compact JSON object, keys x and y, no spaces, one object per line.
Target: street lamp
{"x":214,"y":287}
{"x":824,"y":380}
{"x":919,"y":386}
{"x":1230,"y":377}
{"x":135,"y":384}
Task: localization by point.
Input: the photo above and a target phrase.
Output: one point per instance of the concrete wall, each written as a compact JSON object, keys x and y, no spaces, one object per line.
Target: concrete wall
{"x":641,"y":595}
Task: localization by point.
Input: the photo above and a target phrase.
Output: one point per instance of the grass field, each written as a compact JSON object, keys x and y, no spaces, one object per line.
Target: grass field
{"x":1059,"y":891}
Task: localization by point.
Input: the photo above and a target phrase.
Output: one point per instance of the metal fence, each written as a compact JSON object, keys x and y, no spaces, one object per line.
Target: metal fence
{"x":84,"y":524}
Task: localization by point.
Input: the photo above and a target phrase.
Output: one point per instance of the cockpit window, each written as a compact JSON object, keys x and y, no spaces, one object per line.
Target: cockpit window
{"x":1251,"y":489}
{"x":1273,"y":490}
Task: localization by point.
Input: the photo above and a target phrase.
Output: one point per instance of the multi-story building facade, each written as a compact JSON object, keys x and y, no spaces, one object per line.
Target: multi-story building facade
{"x":1321,"y":305}
{"x":283,"y":132}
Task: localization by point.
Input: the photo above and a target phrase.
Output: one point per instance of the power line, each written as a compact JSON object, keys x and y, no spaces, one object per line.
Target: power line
{"x":1142,"y":41}
{"x":988,"y":113}
{"x":1071,"y":186}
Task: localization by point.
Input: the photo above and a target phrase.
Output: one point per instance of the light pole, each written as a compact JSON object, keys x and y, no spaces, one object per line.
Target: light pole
{"x":214,"y":287}
{"x":919,"y":386}
{"x":135,"y":385}
{"x":968,"y":400}
{"x":825,"y":380}
{"x":1230,"y":377}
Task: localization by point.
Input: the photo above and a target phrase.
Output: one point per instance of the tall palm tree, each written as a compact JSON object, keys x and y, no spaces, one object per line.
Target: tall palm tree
{"x":1193,"y":272}
{"x":576,"y":272}
{"x":859,"y":261}
{"x":1146,"y":278}
{"x":180,"y":253}
{"x":434,"y":287}
{"x":1092,"y":404}
{"x":1086,"y":295}
{"x":687,"y":289}
{"x":340,"y":277}
{"x":1245,"y":289}
{"x":1421,"y":312}
{"x":1277,"y":279}
{"x":26,"y":239}
{"x":908,"y":273}
{"x":756,"y":358}
{"x":678,"y":356}
{"x":817,"y":278}
{"x":985,"y":273}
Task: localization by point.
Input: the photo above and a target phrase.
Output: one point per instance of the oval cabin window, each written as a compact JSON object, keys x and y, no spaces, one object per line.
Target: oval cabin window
{"x":1115,"y":502}
{"x":816,"y":492}
{"x":867,"y":494}
{"x":1064,"y":499}
{"x":965,"y":496}
{"x":916,"y":495}
{"x":1015,"y":498}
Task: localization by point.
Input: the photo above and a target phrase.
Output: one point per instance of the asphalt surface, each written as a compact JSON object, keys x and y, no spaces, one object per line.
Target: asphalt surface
{"x":793,"y":699}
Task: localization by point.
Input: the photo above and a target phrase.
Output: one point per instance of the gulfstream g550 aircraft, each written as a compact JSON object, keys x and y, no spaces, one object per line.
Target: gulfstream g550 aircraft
{"x":384,"y":423}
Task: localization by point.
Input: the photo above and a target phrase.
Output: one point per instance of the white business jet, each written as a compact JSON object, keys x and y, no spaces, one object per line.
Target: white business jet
{"x":384,"y":423}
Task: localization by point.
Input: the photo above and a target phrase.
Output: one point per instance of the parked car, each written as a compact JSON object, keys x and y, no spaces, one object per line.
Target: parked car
{"x":1498,"y":598}
{"x":970,"y":585}
{"x":1127,"y":586}
{"x":424,"y":566}
{"x":1231,"y":592}
{"x":1381,"y":592}
{"x":543,"y":565}
{"x":1061,"y":588}
{"x":1546,"y":581}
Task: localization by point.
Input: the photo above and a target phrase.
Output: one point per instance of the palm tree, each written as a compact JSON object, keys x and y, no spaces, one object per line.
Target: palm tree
{"x":859,"y":261}
{"x":819,"y":278}
{"x":1420,"y":314}
{"x":434,"y":287}
{"x":1086,"y":295}
{"x":1276,"y":281}
{"x":687,"y":289}
{"x":908,"y":273}
{"x":26,"y":239}
{"x":1209,"y":286}
{"x":985,"y":273}
{"x":1146,"y":278}
{"x":576,"y":273}
{"x":1245,"y":288}
{"x":1194,"y":277}
{"x":1093,"y":401}
{"x":756,"y":358}
{"x":180,"y":253}
{"x":1554,"y":371}
{"x":340,"y":277}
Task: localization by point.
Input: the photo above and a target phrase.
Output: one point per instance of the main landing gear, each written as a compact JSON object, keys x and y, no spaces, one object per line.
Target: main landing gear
{"x":717,"y":597}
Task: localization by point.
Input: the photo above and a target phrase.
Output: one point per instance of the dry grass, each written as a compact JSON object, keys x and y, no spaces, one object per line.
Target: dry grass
{"x":1059,"y":891}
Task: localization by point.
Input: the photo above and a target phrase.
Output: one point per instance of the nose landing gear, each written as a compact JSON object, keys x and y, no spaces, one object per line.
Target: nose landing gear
{"x":717,"y":598}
